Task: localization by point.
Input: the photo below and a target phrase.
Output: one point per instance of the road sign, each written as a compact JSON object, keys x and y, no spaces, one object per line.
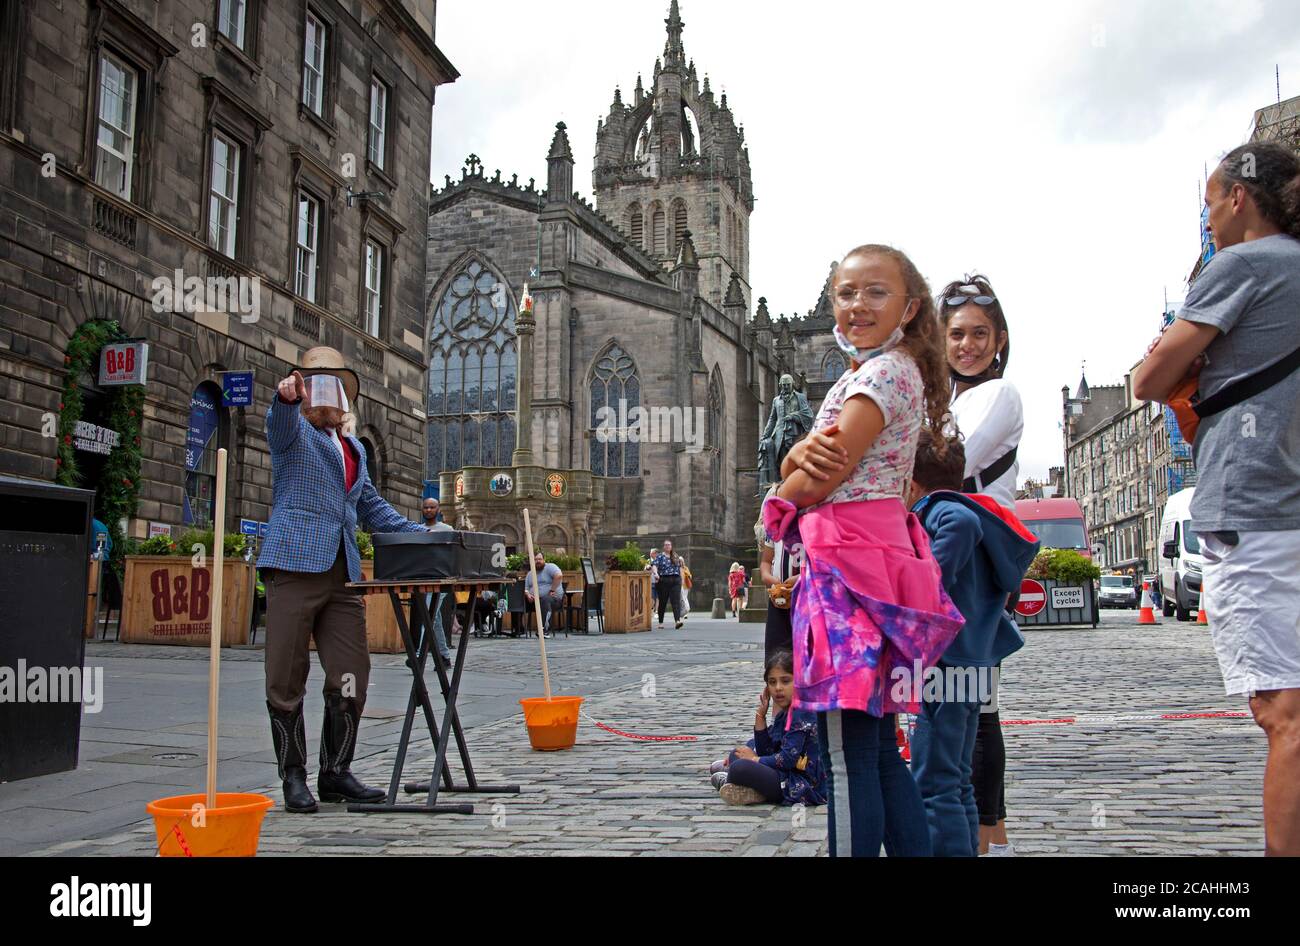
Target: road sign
{"x":262,"y":529}
{"x":237,"y":389}
{"x":1033,"y":598}
{"x":248,"y":526}
{"x":1065,"y":599}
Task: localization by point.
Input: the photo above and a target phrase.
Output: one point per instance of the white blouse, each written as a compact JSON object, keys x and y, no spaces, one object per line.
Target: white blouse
{"x":991,"y":420}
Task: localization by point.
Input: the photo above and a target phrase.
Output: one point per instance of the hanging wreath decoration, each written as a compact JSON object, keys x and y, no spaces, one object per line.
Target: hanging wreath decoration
{"x":118,"y":490}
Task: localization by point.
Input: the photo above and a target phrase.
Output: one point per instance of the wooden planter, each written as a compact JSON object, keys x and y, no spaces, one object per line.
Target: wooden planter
{"x":92,"y":597}
{"x":166,"y":600}
{"x":627,"y":602}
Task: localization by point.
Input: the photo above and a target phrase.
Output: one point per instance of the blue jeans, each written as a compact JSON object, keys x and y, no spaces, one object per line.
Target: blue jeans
{"x":873,"y":798}
{"x":942,"y":747}
{"x":435,"y":615}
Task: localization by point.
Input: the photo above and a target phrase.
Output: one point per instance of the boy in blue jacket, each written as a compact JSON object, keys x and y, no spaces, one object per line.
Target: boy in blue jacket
{"x":983,"y":552}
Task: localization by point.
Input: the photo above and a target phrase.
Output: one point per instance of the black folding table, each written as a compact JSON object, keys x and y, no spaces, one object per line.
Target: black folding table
{"x":417,"y":636}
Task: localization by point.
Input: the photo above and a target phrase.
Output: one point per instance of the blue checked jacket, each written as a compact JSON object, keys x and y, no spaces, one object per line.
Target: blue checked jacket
{"x":311,"y":514}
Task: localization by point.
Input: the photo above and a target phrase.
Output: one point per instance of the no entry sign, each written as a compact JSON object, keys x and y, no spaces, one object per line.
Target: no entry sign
{"x":1032,"y":598}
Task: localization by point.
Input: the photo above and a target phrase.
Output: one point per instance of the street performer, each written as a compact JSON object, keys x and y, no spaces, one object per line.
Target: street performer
{"x":321,"y":491}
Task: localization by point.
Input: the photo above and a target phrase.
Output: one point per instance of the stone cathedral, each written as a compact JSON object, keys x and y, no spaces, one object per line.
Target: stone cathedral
{"x":640,"y":300}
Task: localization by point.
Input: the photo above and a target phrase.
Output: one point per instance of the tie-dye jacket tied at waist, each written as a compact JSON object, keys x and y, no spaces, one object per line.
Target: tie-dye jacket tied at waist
{"x":869,"y":610}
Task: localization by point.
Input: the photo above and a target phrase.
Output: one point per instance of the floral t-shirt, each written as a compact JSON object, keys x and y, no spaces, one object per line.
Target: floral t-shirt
{"x":894,"y":383}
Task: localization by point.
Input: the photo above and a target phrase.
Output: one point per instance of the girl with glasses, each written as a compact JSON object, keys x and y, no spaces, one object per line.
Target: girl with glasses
{"x":869,"y":601}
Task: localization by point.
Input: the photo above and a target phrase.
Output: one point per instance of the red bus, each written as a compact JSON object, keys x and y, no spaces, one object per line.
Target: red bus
{"x":1058,"y":523}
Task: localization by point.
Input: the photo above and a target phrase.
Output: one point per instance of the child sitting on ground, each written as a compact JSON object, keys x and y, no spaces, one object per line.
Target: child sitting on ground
{"x":983,"y":551}
{"x":777,"y":766}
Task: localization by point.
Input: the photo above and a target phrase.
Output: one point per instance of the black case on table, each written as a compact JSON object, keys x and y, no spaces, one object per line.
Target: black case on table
{"x":404,"y":556}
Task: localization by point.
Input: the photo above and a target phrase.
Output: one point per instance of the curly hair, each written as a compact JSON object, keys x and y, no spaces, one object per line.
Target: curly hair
{"x":922,"y":338}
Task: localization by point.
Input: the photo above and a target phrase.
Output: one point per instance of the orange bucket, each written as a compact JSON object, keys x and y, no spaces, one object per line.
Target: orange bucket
{"x":229,"y":830}
{"x":552,"y":724}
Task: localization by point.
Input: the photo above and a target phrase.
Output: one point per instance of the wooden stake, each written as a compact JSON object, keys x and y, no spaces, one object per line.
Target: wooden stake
{"x":214,"y":646}
{"x":537,"y":604}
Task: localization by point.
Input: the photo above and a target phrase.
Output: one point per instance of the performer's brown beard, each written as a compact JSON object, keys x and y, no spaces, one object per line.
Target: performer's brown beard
{"x":323,"y":418}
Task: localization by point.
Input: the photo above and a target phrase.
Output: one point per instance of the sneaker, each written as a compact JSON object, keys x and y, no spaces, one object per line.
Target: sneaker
{"x":719,"y":766}
{"x":679,"y":625}
{"x":734,"y":794}
{"x":1001,"y":850}
{"x":718,"y":779}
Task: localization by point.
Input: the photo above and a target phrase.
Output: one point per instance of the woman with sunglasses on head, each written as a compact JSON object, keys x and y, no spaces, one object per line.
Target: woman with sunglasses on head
{"x":988,"y":413}
{"x":869,"y":603}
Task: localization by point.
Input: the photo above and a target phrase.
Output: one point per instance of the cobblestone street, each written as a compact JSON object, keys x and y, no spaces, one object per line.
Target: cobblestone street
{"x":1100,"y":785}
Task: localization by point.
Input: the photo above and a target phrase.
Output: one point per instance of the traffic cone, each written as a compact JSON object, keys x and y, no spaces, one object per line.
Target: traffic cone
{"x":1201,"y":616}
{"x":904,"y":747}
{"x":1146,"y":615}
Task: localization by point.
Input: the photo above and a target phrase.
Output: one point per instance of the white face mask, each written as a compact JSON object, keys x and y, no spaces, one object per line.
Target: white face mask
{"x":861,"y":355}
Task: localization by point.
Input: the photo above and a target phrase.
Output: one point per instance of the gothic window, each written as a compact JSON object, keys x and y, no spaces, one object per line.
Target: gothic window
{"x":615,"y":389}
{"x":679,"y":225}
{"x":635,"y":225}
{"x":833,"y":366}
{"x":657,"y":231}
{"x":472,"y":373}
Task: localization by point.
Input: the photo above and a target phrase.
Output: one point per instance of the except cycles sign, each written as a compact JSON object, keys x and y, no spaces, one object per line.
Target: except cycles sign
{"x":1033,"y":598}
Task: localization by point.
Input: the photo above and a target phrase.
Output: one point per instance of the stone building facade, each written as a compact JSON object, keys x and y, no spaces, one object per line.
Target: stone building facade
{"x":643,"y":300}
{"x":285,"y":144}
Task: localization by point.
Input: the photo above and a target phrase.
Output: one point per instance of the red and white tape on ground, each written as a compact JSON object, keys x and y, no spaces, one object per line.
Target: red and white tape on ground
{"x":1134,"y":718}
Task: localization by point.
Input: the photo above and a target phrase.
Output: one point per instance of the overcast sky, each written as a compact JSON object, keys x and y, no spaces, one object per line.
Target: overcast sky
{"x":1058,"y":148}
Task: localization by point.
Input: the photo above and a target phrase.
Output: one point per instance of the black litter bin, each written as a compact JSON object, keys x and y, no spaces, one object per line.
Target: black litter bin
{"x":44,"y":558}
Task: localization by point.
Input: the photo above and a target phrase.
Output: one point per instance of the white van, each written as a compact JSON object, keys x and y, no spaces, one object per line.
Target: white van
{"x":1180,"y":558}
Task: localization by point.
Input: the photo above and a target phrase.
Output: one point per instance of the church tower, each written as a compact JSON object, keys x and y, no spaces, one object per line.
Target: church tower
{"x":673,"y":160}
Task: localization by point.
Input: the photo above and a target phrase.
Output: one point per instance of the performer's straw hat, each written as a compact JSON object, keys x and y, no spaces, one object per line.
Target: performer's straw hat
{"x":326,"y":360}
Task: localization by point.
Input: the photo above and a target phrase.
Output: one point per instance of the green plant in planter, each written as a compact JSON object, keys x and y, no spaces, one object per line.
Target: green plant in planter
{"x":629,"y":558}
{"x":232,"y":545}
{"x":157,"y":545}
{"x":516,"y":562}
{"x":566,"y":563}
{"x":365,"y":546}
{"x":1064,"y":565}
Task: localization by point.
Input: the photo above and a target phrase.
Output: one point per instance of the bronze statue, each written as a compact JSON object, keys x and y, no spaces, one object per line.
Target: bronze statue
{"x":790,"y":419}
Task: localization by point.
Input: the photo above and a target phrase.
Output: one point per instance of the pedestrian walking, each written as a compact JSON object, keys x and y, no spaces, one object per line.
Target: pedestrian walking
{"x":736,"y":587}
{"x":989,"y":415}
{"x":1234,"y":342}
{"x":870,"y":598}
{"x":668,"y":568}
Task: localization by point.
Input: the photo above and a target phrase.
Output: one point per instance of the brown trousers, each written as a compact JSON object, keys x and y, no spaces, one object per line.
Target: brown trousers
{"x":300,"y":606}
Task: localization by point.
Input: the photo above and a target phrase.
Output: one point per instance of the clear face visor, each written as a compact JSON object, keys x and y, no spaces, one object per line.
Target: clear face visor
{"x":325,"y":390}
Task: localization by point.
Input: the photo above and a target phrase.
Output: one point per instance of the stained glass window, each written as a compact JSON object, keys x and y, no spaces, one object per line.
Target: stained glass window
{"x":472,"y":373}
{"x":615,"y":390}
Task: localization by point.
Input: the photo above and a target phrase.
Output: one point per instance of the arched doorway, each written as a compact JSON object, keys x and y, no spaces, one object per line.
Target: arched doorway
{"x":209,"y":431}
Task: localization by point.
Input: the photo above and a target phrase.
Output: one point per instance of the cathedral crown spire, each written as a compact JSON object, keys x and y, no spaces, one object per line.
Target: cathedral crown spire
{"x":674,"y":54}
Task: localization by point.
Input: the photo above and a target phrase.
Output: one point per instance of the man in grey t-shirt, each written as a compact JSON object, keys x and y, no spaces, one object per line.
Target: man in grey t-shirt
{"x":1248,"y":456}
{"x":1241,"y":317}
{"x":551,"y":581}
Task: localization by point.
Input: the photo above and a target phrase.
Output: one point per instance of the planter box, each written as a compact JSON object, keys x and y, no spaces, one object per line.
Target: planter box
{"x":627,"y":602}
{"x":92,"y":597}
{"x":166,"y":600}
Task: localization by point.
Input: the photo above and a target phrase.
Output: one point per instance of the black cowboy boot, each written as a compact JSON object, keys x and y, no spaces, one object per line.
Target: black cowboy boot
{"x":338,"y":741}
{"x":289,"y":735}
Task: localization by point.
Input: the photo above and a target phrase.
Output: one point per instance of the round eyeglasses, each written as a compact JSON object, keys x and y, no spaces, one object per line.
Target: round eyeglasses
{"x":875,"y":297}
